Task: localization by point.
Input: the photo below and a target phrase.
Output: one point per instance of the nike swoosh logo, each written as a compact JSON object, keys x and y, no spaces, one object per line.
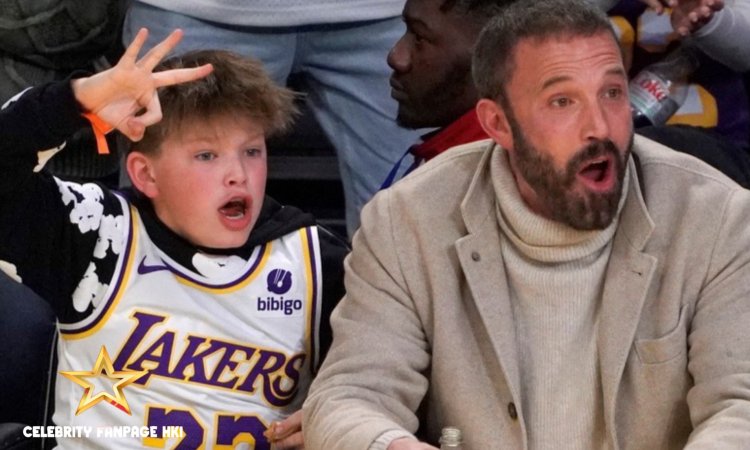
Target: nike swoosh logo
{"x":143,"y":268}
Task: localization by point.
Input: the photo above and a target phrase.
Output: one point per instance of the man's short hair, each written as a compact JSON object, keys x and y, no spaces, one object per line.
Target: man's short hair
{"x":494,"y":54}
{"x":238,"y":86}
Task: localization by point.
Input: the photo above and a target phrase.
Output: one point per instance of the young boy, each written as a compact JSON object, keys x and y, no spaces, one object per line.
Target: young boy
{"x":192,"y":301}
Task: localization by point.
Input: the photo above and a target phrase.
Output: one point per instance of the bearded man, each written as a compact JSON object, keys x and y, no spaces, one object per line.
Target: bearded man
{"x":563,"y":285}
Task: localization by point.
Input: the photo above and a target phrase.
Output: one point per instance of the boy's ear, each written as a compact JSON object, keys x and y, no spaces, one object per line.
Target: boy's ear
{"x":495,"y":123}
{"x":140,"y":170}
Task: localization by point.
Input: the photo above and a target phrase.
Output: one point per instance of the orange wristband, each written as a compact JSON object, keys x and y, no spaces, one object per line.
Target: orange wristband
{"x":101,"y":128}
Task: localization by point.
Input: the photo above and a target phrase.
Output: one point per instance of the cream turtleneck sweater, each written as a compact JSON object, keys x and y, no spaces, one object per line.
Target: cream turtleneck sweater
{"x":555,"y":275}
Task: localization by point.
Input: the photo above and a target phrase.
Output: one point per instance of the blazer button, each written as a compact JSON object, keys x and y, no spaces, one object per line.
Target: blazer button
{"x":475,"y":256}
{"x":512,"y":411}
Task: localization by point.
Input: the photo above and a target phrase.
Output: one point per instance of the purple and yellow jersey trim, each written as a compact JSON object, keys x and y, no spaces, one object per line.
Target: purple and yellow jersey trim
{"x":313,"y":294}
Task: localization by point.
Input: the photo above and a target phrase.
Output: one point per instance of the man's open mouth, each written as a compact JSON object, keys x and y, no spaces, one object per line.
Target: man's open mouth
{"x":598,"y":174}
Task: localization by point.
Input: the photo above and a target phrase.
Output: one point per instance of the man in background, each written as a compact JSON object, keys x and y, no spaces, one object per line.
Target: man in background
{"x":431,"y":77}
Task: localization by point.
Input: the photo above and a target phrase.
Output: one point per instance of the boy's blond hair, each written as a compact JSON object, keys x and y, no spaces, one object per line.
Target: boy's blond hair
{"x":238,"y":86}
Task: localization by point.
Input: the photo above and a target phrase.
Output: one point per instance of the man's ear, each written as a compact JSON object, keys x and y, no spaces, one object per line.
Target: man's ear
{"x":140,"y":170}
{"x":495,"y":122}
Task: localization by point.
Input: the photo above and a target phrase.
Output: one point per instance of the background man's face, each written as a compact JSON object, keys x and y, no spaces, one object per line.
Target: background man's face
{"x":431,"y":65}
{"x":571,"y":127}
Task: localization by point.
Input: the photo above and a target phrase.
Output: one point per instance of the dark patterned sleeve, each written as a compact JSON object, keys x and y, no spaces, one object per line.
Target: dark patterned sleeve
{"x":38,"y":119}
{"x":49,"y":228}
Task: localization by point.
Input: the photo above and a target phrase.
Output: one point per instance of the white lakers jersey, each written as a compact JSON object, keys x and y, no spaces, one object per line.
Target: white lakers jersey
{"x":221,"y":353}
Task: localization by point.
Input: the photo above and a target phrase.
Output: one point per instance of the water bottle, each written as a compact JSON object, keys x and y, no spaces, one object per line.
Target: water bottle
{"x":660,"y":88}
{"x":451,"y":439}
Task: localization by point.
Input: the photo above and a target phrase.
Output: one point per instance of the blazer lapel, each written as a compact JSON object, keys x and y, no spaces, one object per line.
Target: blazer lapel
{"x":487,"y":281}
{"x":483,"y":267}
{"x":627,"y":281}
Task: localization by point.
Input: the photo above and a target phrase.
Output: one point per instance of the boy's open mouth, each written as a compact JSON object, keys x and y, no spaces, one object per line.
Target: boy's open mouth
{"x":234,"y":208}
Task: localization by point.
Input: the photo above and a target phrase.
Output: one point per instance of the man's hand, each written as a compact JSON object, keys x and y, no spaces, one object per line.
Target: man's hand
{"x":287,"y":434}
{"x":688,"y":16}
{"x":125,"y":96}
{"x":409,"y":444}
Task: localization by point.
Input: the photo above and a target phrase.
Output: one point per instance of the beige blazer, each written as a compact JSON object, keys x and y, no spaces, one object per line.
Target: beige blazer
{"x":424,"y":337}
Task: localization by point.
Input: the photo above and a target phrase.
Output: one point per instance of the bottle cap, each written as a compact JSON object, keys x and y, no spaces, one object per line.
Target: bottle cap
{"x":451,"y":436}
{"x":687,"y":56}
